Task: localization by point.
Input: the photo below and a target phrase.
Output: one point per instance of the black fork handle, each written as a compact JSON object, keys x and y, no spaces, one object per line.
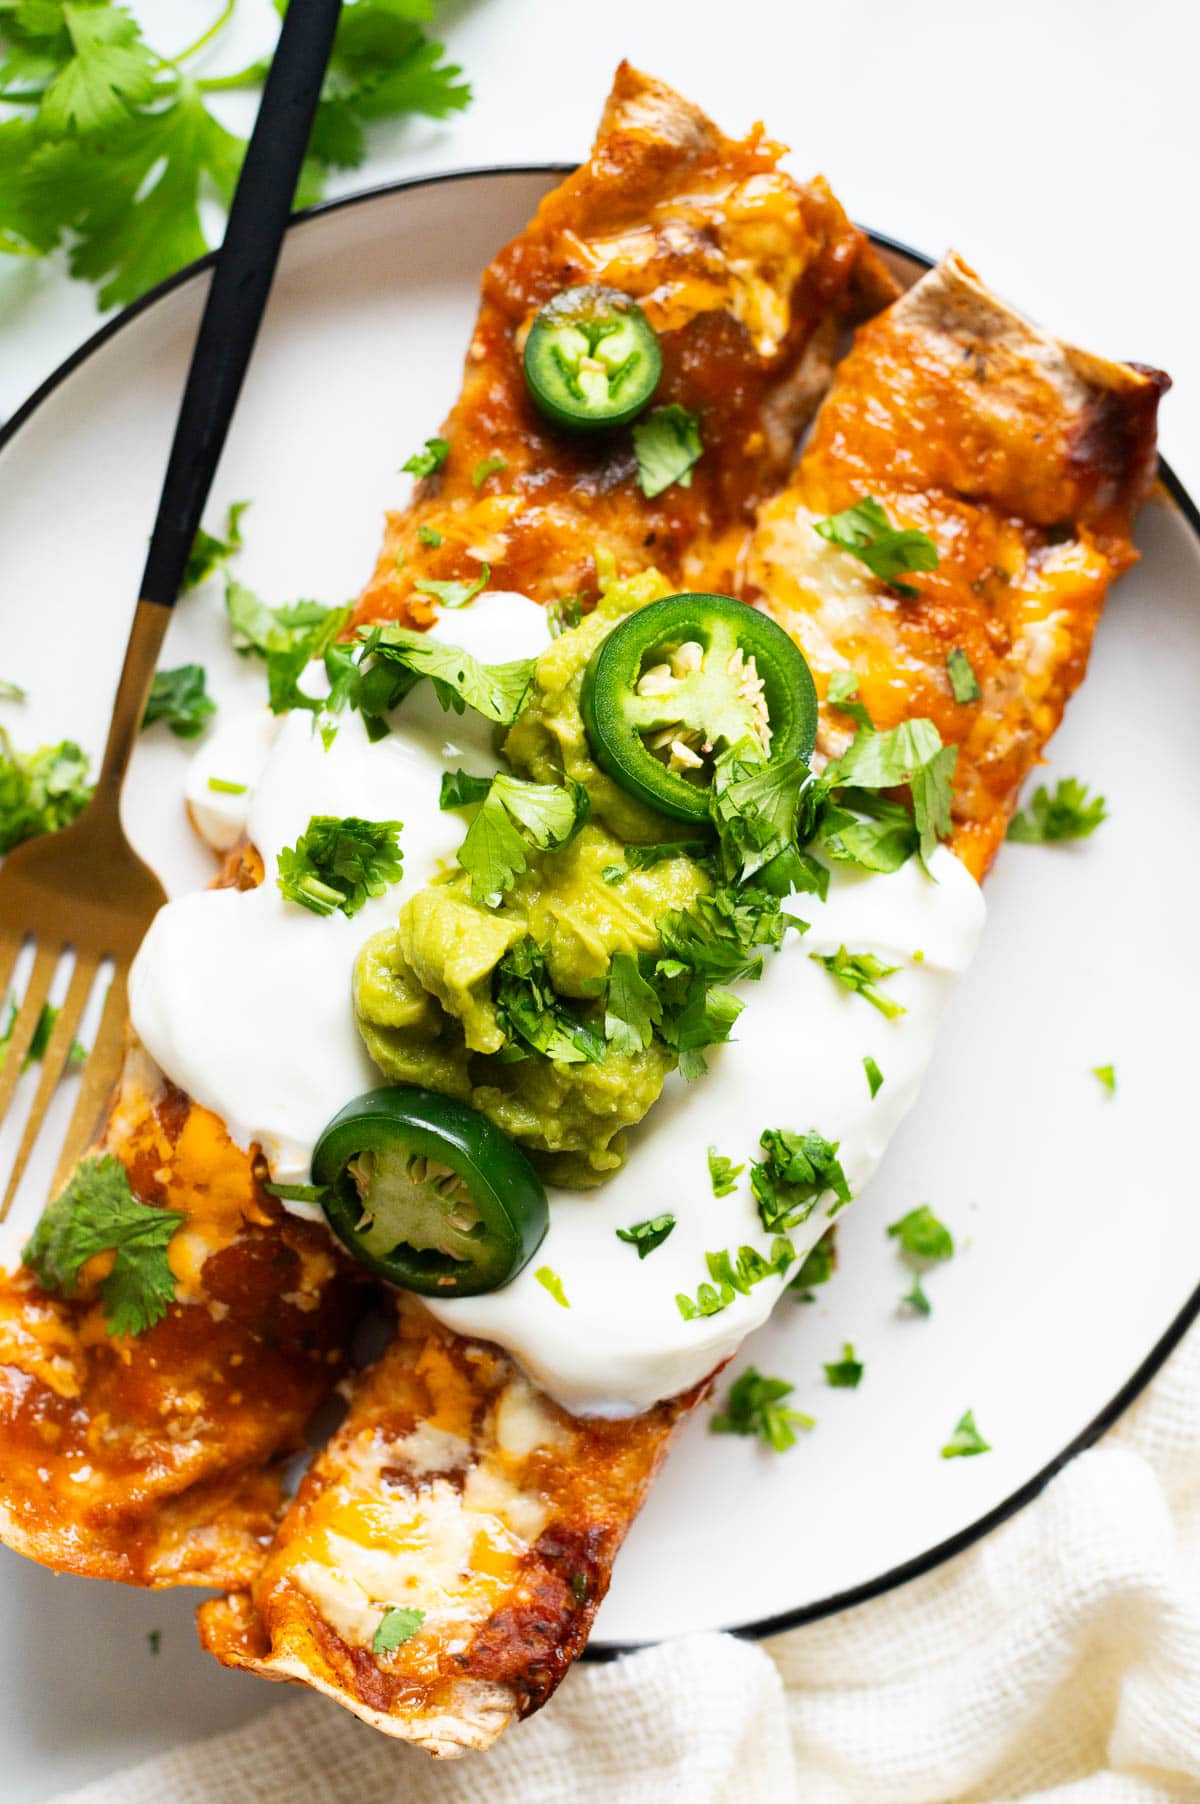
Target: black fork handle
{"x":241,"y":282}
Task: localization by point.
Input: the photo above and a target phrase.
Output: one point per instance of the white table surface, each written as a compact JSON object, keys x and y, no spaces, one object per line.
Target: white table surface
{"x":1054,"y":143}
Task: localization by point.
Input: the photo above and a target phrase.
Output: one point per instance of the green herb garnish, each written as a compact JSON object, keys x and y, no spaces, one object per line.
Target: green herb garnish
{"x":40,"y":791}
{"x":1107,"y":1076}
{"x":533,"y":1015}
{"x":396,"y":1626}
{"x":428,"y":461}
{"x":549,"y":1279}
{"x":210,"y":552}
{"x":723,"y":1173}
{"x":632,"y":1009}
{"x":488,"y":466}
{"x":98,"y":1213}
{"x":514,"y":818}
{"x":180,"y":698}
{"x":916,"y":1299}
{"x":454,"y":595}
{"x":845,"y":1374}
{"x":963,"y":681}
{"x":922,"y":1235}
{"x":429,"y":535}
{"x":221,"y":786}
{"x":818,"y":1268}
{"x":966,"y":1439}
{"x":889,"y":552}
{"x":798,"y":1170}
{"x":646,"y":1235}
{"x":460,"y":681}
{"x":340,"y":863}
{"x":667,"y":445}
{"x":874,"y":1076}
{"x":1070,"y":813}
{"x":755,"y":1406}
{"x":861,"y":972}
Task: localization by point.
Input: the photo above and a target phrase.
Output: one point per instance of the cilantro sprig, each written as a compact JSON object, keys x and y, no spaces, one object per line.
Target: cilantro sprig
{"x":799,"y":1169}
{"x":723,"y":1173}
{"x":888,"y":551}
{"x":98,"y":1213}
{"x":515,"y":818}
{"x":845,"y":1374}
{"x":647,"y":1235}
{"x":396,"y":1626}
{"x":667,"y":444}
{"x":1068,"y":813}
{"x":817,"y":1268}
{"x":756,"y":1406}
{"x":180,"y":698}
{"x":288,"y":639}
{"x":115,"y":152}
{"x":924,"y":1241}
{"x":862,"y":973}
{"x":534,"y":1016}
{"x":340,"y":863}
{"x":966,"y":1439}
{"x":40,"y":791}
{"x":460,"y":681}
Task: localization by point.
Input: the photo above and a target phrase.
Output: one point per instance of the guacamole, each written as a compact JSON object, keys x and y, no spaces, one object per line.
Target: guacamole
{"x":425,"y":992}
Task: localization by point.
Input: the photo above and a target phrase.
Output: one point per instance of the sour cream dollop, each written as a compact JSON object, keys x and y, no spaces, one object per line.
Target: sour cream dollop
{"x":244,"y":1001}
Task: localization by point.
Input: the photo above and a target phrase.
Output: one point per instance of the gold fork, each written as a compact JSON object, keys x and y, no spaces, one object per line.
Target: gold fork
{"x":85,"y":887}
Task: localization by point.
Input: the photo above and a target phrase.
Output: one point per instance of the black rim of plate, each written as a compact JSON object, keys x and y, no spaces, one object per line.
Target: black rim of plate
{"x":1163,"y":1347}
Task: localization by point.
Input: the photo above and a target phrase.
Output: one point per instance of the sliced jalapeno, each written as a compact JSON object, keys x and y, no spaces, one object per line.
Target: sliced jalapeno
{"x":591,"y":358}
{"x":427,"y":1193}
{"x":681,"y":681}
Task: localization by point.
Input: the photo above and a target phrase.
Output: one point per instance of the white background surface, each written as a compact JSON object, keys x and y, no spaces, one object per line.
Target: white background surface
{"x":1057,"y":147}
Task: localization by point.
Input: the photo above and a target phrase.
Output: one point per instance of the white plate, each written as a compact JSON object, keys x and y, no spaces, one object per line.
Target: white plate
{"x":1075,"y":1212}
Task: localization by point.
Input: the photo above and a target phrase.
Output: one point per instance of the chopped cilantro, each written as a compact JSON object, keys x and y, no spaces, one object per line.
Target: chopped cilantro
{"x":221,"y":786}
{"x":154,"y":1640}
{"x":1107,"y":1076}
{"x":667,"y":444}
{"x":460,"y":681}
{"x":514,"y":816}
{"x":39,"y":1040}
{"x":461,"y":790}
{"x":798,"y":1170}
{"x":754,"y":809}
{"x":288,"y":638}
{"x":181,"y":698}
{"x":841,"y":692}
{"x":963,"y":681}
{"x":429,"y":535}
{"x":874,"y":1076}
{"x":966,"y":1439}
{"x":428,"y":461}
{"x":98,"y":1213}
{"x":845,"y":1374}
{"x":454,"y":595}
{"x":488,"y":466}
{"x":922,"y":1235}
{"x":817,"y":1268}
{"x":861,"y":973}
{"x":210,"y":553}
{"x":40,"y":791}
{"x":564,"y":613}
{"x":396,"y":1626}
{"x":723,"y":1173}
{"x":11,"y":692}
{"x":632,"y":1009}
{"x":550,"y":1280}
{"x":889,"y":552}
{"x":755,"y":1406}
{"x":646,"y":1235}
{"x":339,"y":863}
{"x":1070,"y":813}
{"x":910,"y":753}
{"x":532,"y":1013}
{"x":916,"y":1299}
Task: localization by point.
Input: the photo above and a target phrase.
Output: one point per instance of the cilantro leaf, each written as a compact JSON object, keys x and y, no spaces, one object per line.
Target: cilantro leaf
{"x":861,"y":972}
{"x":339,"y":863}
{"x":840,"y":693}
{"x":723,"y":1173}
{"x":845,"y":1374}
{"x":754,"y":808}
{"x":396,"y":1626}
{"x":966,"y":1439}
{"x":549,"y":1280}
{"x":647,"y":1235}
{"x":106,"y":72}
{"x":563,"y":614}
{"x":98,"y":1213}
{"x":866,"y":829}
{"x":461,"y":790}
{"x":40,"y":791}
{"x":910,"y":753}
{"x":181,"y":698}
{"x":288,"y":638}
{"x":667,"y":444}
{"x":922,"y":1235}
{"x":632,"y":1009}
{"x":874,"y":1076}
{"x":530,"y":1010}
{"x":916,"y":1299}
{"x":798,"y":1170}
{"x":488,"y":466}
{"x":1070,"y":813}
{"x":429,"y":535}
{"x":516,"y":815}
{"x":454,"y":595}
{"x":818,"y":1268}
{"x":963,"y":681}
{"x":497,"y":691}
{"x":1106,"y":1075}
{"x":427,"y":462}
{"x":865,"y":531}
{"x":210,"y":553}
{"x":755,"y":1406}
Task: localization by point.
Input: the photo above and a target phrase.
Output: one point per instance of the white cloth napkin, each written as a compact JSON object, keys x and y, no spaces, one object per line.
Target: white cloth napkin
{"x":1058,"y":1661}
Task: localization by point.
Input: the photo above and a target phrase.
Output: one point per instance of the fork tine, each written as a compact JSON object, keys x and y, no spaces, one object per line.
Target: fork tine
{"x":54,"y":1060}
{"x":10,"y":949}
{"x":99,"y":1076}
{"x":36,"y":991}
